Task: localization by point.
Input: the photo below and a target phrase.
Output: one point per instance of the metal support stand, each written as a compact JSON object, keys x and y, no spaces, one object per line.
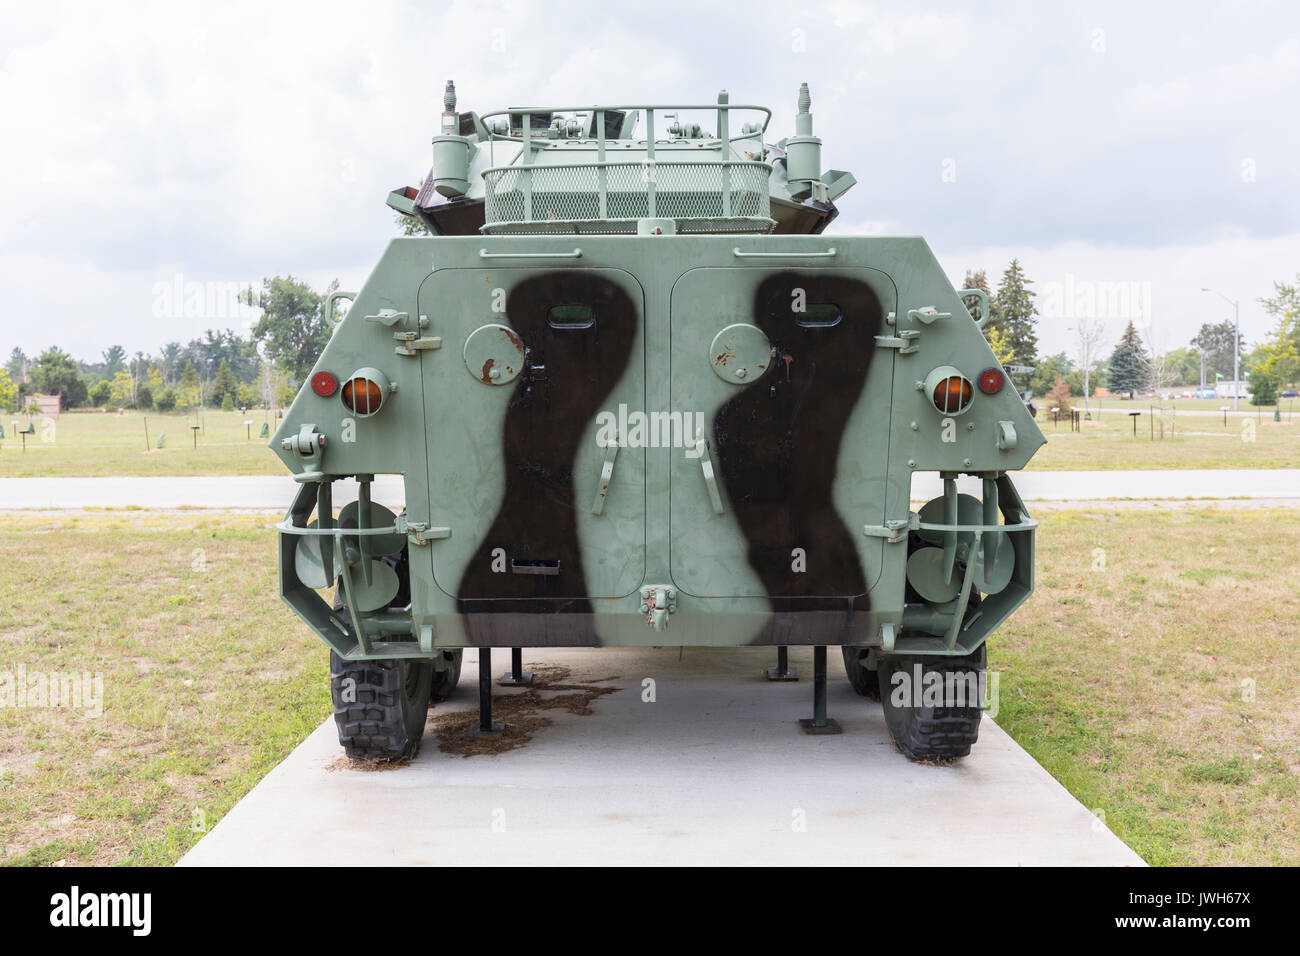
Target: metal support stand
{"x":783,"y":671}
{"x":485,"y":724}
{"x":517,"y":677}
{"x":820,"y":723}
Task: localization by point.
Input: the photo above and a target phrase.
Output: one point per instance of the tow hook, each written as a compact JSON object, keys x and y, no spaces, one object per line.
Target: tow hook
{"x":657,"y":602}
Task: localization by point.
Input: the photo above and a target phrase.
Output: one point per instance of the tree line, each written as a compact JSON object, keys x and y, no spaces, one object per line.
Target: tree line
{"x":1135,"y":366}
{"x":220,"y":369}
{"x":225,"y":369}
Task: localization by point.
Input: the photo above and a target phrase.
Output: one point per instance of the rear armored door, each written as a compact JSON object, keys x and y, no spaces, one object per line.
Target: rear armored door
{"x":523,"y":472}
{"x":780,"y":371}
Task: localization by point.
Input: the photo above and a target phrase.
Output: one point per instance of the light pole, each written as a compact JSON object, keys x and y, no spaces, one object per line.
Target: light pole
{"x":1236,"y":346}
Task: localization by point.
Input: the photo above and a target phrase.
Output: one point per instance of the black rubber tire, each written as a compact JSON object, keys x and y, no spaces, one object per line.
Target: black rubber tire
{"x":865,"y":683}
{"x":380,"y":706}
{"x":932,"y":732}
{"x":444,"y":682}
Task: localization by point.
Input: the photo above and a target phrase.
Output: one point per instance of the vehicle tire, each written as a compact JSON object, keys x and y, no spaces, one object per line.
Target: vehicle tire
{"x":380,"y":706}
{"x":933,"y":731}
{"x":865,"y":683}
{"x":444,"y":682}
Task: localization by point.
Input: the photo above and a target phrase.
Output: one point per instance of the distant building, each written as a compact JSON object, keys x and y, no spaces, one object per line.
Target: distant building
{"x":1231,"y":390}
{"x":48,"y":405}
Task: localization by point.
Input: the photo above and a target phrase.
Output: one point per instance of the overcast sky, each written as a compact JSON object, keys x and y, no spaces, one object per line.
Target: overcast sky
{"x":1152,"y":144}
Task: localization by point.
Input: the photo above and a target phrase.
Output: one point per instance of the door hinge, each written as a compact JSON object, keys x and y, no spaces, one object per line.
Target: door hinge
{"x":418,"y":532}
{"x":893,"y":531}
{"x":904,"y":341}
{"x":409,"y":343}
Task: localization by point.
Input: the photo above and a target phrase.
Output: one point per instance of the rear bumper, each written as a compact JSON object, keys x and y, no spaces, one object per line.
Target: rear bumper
{"x":883,"y":619}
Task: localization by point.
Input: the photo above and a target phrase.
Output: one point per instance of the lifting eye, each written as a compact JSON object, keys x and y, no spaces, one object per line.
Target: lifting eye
{"x":364,"y":391}
{"x":949,"y":390}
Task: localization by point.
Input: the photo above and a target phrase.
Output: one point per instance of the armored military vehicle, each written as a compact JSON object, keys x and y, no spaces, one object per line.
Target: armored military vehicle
{"x":635,"y":395}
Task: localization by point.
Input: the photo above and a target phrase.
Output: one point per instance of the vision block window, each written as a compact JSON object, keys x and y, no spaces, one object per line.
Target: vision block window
{"x":819,"y":315}
{"x":571,"y":316}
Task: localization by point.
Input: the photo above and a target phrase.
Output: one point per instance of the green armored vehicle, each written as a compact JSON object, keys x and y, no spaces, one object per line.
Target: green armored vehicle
{"x":635,"y":396}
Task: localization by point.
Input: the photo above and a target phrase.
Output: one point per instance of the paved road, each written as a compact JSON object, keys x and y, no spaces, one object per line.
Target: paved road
{"x":274,"y":492}
{"x":714,"y":771}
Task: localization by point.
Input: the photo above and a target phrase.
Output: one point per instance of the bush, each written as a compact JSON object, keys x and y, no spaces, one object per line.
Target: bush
{"x":166,"y":400}
{"x":144,"y":397}
{"x":1059,"y":397}
{"x":100,"y":393}
{"x":1263,"y":389}
{"x":228,"y":403}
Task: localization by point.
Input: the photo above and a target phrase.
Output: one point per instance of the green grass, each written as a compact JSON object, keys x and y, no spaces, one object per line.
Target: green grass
{"x":101,"y":443}
{"x":1161,"y":690}
{"x":208,"y":682}
{"x":1188,"y":442}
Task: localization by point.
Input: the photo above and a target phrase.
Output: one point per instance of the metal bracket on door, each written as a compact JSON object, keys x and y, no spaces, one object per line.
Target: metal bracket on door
{"x":710,"y":477}
{"x":606,"y":476}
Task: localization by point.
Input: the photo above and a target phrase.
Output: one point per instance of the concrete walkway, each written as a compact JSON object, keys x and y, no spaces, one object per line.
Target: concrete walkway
{"x":714,"y":771}
{"x":273,"y":493}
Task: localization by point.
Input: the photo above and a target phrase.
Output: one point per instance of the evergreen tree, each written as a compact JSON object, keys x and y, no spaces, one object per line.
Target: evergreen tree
{"x":55,"y":371}
{"x":1015,"y":314}
{"x":224,"y":384}
{"x":1128,"y":363}
{"x":188,"y":393}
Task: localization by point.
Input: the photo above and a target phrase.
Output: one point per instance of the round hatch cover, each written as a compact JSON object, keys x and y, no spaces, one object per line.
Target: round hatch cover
{"x":740,"y":353}
{"x":494,"y":354}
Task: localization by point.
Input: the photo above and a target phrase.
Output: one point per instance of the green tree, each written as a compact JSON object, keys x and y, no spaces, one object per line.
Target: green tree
{"x":18,"y":365}
{"x":143,"y":396}
{"x":166,"y":400}
{"x":1015,"y":314}
{"x":188,"y":392}
{"x":1275,"y":364}
{"x":8,"y":391}
{"x":292,"y":330}
{"x":1215,"y":341}
{"x":114,"y":360}
{"x":122,"y":390}
{"x":1184,"y":367}
{"x":55,"y":371}
{"x":1049,"y":370}
{"x":223,"y":385}
{"x":170,"y":356}
{"x":1128,"y":363}
{"x":228,"y":402}
{"x":100,"y":394}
